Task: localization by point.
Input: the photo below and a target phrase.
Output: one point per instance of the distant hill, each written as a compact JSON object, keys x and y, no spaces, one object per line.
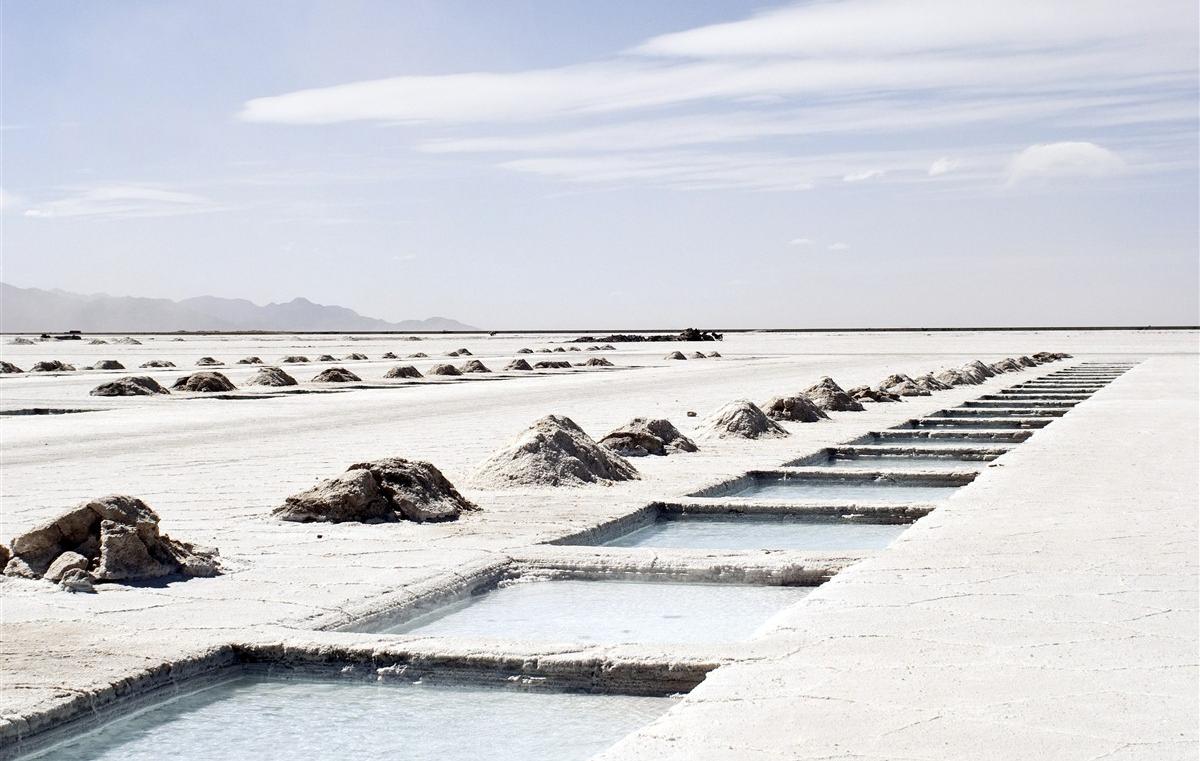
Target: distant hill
{"x":33,"y":310}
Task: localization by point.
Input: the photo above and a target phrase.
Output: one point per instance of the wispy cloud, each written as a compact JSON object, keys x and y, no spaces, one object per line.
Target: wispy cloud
{"x":836,"y":67}
{"x":122,"y":201}
{"x":839,"y":246}
{"x":801,"y":242}
{"x":1070,"y":159}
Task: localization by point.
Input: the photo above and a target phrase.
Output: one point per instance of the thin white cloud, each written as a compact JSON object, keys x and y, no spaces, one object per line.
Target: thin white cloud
{"x":944,"y":165}
{"x":122,"y":201}
{"x":865,"y":174}
{"x":803,"y":242}
{"x":827,"y":49}
{"x":1067,"y":159}
{"x":839,"y":246}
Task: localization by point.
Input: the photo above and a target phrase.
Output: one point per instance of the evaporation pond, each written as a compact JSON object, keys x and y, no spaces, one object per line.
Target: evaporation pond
{"x":605,"y":612}
{"x":902,"y":462}
{"x":318,"y":720}
{"x":940,"y":443}
{"x":783,"y":488}
{"x":767,"y":532}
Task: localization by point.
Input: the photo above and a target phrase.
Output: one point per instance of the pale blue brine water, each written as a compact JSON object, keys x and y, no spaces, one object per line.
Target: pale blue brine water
{"x":608,"y":612}
{"x":252,"y":719}
{"x":807,"y":489}
{"x":742,"y":532}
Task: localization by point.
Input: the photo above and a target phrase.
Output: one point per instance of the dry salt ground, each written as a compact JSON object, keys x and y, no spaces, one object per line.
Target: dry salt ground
{"x":1047,"y":610}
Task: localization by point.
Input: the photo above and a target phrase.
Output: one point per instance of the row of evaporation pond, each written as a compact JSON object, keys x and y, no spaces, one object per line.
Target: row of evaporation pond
{"x":840,"y":504}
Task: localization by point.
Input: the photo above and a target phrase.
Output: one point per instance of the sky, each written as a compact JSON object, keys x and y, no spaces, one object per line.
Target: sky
{"x":570,"y":163}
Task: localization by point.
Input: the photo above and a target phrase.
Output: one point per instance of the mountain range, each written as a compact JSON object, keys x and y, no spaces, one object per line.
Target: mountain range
{"x":34,"y":310}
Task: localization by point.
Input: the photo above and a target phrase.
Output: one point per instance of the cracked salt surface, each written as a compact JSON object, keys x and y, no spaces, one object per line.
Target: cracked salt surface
{"x":719,"y":532}
{"x":277,"y":720}
{"x":609,"y":612}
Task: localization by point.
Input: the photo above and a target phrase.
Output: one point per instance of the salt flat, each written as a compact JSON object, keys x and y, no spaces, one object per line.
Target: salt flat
{"x":1069,"y":571}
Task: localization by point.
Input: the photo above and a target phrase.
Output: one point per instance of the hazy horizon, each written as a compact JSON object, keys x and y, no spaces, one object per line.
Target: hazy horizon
{"x":559,"y":163}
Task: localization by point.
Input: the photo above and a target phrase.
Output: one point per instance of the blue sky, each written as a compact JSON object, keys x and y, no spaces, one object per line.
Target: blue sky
{"x":575,"y":164}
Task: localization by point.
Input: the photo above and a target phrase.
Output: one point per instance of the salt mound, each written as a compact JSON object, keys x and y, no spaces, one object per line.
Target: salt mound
{"x":9,"y":367}
{"x":697,"y":355}
{"x":403,"y":371}
{"x":675,"y":355}
{"x":335,"y":375}
{"x":355,"y":357}
{"x":127,"y":341}
{"x":114,"y":538}
{"x":560,"y":350}
{"x":204,"y":382}
{"x":208,"y":362}
{"x":518,"y":364}
{"x":464,"y":353}
{"x":22,"y":341}
{"x":598,"y":362}
{"x":292,"y":359}
{"x":444,"y":370}
{"x":554,"y":451}
{"x":250,"y":361}
{"x":868,"y":394}
{"x":524,"y":351}
{"x":828,"y":395}
{"x":641,"y":437}
{"x":157,"y":363}
{"x":931,"y":383}
{"x":974,"y":374}
{"x":742,"y":420}
{"x":133,"y":385}
{"x":418,"y":355}
{"x":981,"y":368}
{"x":326,"y":358}
{"x":953,"y":377}
{"x":1008,"y":365}
{"x":799,"y":409}
{"x":109,"y":364}
{"x":52,"y":366}
{"x":474,"y":366}
{"x":271,"y":376}
{"x":902,"y":385}
{"x":389,"y":355}
{"x":552,"y":364}
{"x":714,"y":355}
{"x":1027,"y":361}
{"x":544,"y":351}
{"x":382,"y":491}
{"x":97,"y":342}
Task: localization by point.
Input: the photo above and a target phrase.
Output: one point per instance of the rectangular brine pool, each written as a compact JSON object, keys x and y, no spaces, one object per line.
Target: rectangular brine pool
{"x":815,"y":533}
{"x":905,"y":438}
{"x":603,"y":612}
{"x":840,"y":487}
{"x":267,"y":719}
{"x":916,"y":458}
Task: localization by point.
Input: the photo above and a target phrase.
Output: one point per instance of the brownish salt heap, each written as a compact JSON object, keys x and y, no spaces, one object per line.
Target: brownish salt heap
{"x":742,"y":419}
{"x":828,"y":395}
{"x":647,"y":436}
{"x":113,"y":538}
{"x":335,"y":375}
{"x":518,"y":364}
{"x":157,"y":363}
{"x":403,"y":371}
{"x":133,"y":385}
{"x":380,"y":491}
{"x":474,"y":366}
{"x":204,"y":383}
{"x":868,"y":394}
{"x":208,"y":362}
{"x":554,"y":451}
{"x":51,"y":366}
{"x":798,"y":409}
{"x":444,"y":370}
{"x":108,"y":364}
{"x":271,"y":376}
